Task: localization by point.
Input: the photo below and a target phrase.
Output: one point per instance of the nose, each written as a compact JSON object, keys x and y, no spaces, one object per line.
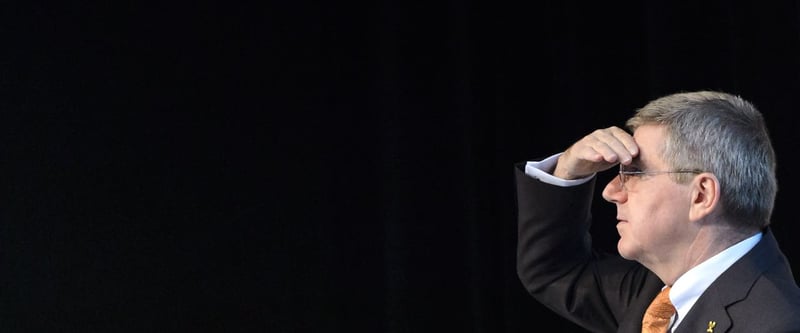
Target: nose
{"x":613,"y":192}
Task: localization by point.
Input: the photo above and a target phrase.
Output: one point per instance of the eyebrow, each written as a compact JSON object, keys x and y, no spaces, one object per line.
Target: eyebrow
{"x":639,"y":164}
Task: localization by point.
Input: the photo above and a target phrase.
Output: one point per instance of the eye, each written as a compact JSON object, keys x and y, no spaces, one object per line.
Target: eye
{"x":631,"y":169}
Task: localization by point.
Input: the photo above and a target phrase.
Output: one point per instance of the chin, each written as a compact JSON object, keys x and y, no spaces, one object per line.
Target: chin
{"x":624,"y":251}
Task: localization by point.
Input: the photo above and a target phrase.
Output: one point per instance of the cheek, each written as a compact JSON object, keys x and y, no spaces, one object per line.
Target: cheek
{"x":647,"y":213}
{"x":653,"y":221}
{"x":659,"y":215}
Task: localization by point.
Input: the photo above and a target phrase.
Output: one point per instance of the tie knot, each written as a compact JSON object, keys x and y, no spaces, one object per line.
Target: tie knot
{"x":661,"y":305}
{"x":659,"y":313}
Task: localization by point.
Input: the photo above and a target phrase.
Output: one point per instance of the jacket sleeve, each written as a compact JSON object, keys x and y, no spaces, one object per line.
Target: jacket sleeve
{"x":552,"y":231}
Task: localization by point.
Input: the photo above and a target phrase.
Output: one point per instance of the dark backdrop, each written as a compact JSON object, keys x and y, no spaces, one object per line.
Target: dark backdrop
{"x":298,"y":166}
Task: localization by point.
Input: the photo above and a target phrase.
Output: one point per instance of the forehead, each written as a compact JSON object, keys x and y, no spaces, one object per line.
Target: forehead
{"x":651,"y":140}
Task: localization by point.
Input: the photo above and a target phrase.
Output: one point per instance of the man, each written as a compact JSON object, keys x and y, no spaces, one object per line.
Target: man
{"x":694,"y":197}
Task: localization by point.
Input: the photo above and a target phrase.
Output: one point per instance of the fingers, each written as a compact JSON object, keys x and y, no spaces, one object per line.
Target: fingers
{"x":598,"y":151}
{"x":612,"y":145}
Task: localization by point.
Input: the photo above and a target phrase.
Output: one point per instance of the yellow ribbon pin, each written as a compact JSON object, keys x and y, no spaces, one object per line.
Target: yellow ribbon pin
{"x":711,"y":325}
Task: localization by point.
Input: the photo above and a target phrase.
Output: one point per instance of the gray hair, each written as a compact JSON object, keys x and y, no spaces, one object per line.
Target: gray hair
{"x":723,"y":134}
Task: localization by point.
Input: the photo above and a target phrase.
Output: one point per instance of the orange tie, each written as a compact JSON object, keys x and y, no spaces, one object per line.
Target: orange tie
{"x":659,"y":313}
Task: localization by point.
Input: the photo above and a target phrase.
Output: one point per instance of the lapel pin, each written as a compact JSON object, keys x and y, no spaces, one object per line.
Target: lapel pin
{"x":711,"y":325}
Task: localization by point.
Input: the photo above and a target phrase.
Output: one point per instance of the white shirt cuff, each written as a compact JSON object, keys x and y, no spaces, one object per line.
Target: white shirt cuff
{"x":541,"y":170}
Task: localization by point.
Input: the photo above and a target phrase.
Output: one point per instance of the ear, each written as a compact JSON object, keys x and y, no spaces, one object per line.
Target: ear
{"x":704,"y":194}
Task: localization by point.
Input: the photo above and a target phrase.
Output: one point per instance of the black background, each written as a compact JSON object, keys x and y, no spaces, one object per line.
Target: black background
{"x":298,"y":166}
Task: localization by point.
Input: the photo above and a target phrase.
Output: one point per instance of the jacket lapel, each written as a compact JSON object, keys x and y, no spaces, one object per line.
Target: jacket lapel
{"x":709,"y":313}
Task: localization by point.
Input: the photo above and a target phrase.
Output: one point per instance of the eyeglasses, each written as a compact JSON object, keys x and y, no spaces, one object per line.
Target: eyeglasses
{"x":625,"y":174}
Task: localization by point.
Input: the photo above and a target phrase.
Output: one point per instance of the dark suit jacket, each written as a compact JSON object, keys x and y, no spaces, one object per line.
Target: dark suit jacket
{"x":604,"y":292}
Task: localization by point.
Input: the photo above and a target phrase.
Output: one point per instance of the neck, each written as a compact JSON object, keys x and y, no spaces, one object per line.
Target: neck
{"x":709,"y":241}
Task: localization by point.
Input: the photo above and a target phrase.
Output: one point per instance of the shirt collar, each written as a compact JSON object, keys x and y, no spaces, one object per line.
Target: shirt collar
{"x":689,"y":286}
